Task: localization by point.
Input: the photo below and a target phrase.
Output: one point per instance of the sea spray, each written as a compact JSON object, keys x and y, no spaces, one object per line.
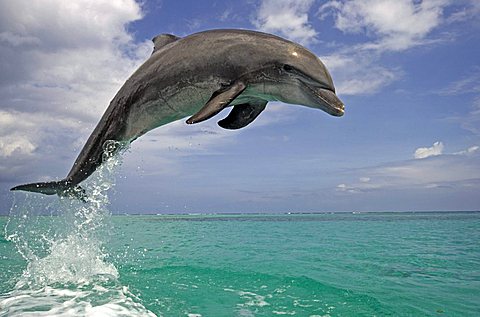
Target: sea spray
{"x":62,"y":240}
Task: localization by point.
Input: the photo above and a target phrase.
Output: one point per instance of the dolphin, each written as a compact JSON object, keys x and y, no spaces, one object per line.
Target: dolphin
{"x":197,"y":76}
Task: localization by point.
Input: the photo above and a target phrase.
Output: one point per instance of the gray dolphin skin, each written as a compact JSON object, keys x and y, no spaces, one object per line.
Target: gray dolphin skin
{"x":198,"y":76}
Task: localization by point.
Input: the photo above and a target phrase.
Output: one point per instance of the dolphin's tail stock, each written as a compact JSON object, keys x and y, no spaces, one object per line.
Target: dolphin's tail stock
{"x":61,"y":188}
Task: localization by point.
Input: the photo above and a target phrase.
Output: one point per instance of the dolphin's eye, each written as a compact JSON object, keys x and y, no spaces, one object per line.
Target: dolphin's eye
{"x":287,"y":68}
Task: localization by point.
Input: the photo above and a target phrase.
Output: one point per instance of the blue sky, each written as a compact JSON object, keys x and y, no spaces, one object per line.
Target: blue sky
{"x":408,"y":72}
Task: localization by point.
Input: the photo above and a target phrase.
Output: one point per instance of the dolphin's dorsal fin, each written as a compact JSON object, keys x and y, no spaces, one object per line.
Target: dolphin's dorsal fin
{"x":161,"y":40}
{"x":243,"y":114}
{"x":219,"y":100}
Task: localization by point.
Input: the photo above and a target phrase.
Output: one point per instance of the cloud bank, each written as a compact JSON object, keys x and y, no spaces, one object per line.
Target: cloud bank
{"x":61,"y":63}
{"x":396,"y":25}
{"x":380,"y":27}
{"x":288,"y":18}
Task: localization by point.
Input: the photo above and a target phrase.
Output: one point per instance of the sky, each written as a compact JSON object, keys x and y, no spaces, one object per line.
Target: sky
{"x":407,"y":71}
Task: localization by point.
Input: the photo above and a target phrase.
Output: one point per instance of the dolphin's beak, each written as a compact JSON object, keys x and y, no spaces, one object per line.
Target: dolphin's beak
{"x":333,"y":105}
{"x":326,"y":99}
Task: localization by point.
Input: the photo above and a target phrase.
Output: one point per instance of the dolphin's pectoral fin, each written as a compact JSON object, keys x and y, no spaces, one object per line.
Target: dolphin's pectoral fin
{"x":161,"y":40}
{"x":242,"y":115}
{"x":218,"y":101}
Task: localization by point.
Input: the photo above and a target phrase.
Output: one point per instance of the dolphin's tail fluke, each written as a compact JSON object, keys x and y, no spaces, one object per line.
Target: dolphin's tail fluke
{"x":61,"y":188}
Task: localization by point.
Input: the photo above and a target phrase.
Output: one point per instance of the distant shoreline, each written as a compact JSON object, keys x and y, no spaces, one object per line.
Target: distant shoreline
{"x":293,"y":213}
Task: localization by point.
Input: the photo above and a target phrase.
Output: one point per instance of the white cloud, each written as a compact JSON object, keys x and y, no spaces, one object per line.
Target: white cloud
{"x":398,"y":24}
{"x":61,"y":62}
{"x":356,"y":73}
{"x":388,"y":26}
{"x":15,"y":145}
{"x":28,"y":141}
{"x":288,"y":18}
{"x":424,"y":152}
{"x":468,"y":151}
{"x":74,"y":45}
{"x":367,"y":82}
{"x":79,"y":23}
{"x":357,"y":187}
{"x":345,"y":188}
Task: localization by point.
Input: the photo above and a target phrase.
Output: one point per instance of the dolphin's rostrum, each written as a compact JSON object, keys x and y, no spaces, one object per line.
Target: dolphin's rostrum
{"x":198,"y":76}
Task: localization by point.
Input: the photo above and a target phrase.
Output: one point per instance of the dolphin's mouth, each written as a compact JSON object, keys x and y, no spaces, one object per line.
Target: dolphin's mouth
{"x":335,"y":105}
{"x":328,"y":100}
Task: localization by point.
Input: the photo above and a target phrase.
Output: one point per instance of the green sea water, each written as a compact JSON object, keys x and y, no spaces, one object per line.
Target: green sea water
{"x":367,"y":264}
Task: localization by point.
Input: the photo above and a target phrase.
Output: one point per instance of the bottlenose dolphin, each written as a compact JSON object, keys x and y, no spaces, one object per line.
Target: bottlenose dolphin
{"x":197,"y":76}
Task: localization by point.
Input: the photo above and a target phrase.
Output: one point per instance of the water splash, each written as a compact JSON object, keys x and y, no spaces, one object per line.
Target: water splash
{"x":62,"y":240}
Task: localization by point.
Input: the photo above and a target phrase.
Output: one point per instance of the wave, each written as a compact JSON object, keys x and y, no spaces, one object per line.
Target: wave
{"x":62,"y":241}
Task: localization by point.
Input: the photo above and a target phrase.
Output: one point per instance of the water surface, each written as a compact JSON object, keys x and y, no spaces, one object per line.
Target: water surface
{"x":368,"y":264}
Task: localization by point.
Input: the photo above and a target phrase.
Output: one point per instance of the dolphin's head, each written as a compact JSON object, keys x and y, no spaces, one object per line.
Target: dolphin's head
{"x":301,"y":78}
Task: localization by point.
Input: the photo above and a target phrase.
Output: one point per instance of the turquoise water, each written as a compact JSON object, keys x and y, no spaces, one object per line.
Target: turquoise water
{"x":392,"y":264}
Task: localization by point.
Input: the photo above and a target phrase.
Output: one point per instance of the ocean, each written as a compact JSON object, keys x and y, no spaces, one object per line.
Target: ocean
{"x":62,"y":257}
{"x":342,"y":264}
